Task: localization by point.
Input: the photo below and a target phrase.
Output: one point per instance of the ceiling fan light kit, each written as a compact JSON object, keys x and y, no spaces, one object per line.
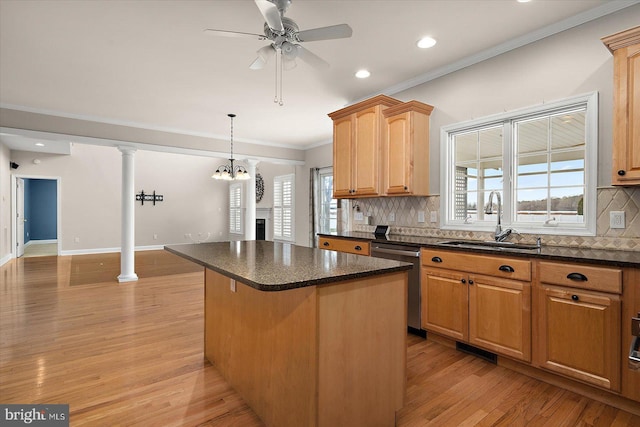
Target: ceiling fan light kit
{"x":285,"y":37}
{"x":230,"y":172}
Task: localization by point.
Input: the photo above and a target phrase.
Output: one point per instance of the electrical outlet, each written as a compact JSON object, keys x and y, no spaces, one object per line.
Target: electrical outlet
{"x":434,"y":216}
{"x":155,"y":236}
{"x":76,"y":240}
{"x":392,"y":216}
{"x":421,"y":216}
{"x":616,"y":219}
{"x":359,"y":216}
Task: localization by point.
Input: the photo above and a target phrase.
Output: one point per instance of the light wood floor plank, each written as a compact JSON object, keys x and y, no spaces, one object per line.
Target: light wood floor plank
{"x":132,"y":355}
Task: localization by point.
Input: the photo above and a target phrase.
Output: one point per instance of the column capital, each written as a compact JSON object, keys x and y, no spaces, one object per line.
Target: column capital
{"x":124,"y":149}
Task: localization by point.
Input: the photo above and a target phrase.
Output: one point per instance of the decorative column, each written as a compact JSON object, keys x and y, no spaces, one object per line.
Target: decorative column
{"x":250,"y":202}
{"x":127,"y":252}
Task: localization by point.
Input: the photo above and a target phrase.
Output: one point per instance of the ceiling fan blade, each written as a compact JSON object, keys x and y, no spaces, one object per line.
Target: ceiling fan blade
{"x":311,"y":58}
{"x":271,"y":15}
{"x":224,"y":33}
{"x":264,"y":55}
{"x":340,"y":31}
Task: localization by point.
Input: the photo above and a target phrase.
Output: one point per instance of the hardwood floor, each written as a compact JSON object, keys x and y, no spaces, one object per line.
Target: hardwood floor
{"x":132,"y":355}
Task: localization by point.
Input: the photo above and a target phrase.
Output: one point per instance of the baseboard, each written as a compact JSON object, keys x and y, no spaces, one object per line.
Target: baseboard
{"x":109,"y":250}
{"x":5,"y":259}
{"x":40,"y":242}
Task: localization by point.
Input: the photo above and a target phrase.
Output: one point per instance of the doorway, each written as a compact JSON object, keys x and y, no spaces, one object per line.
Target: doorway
{"x":36,"y":215}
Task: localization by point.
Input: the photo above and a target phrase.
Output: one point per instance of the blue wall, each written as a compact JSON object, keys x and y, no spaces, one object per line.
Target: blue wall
{"x":42,"y":196}
{"x":27,"y":210}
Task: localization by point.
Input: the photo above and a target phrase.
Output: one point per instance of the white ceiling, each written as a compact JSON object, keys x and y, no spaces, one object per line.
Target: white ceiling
{"x":148,"y":63}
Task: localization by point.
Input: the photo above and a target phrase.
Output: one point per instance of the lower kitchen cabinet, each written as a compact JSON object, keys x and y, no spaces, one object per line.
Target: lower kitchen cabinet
{"x":487,"y":311}
{"x":579,"y":330}
{"x":500,"y":316}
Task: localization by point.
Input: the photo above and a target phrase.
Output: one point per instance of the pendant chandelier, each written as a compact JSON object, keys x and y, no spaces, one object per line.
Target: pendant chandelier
{"x":229,"y":172}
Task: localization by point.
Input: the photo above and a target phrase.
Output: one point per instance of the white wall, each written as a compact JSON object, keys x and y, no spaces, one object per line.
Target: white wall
{"x":193,"y":203}
{"x":566,"y":64}
{"x":5,"y":204}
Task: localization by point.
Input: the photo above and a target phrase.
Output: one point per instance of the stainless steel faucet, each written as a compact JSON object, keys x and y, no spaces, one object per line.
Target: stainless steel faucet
{"x":500,"y":235}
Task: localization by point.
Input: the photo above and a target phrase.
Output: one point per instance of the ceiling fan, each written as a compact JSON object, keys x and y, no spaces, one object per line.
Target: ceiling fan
{"x":285,"y":37}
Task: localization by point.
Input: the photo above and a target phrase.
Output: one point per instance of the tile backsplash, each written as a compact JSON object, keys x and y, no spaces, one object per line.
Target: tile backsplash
{"x":406,"y":209}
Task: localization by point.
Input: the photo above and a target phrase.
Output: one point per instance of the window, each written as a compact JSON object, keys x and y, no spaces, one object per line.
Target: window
{"x":328,"y":212}
{"x":541,"y":162}
{"x":283,"y":203}
{"x":235,"y":208}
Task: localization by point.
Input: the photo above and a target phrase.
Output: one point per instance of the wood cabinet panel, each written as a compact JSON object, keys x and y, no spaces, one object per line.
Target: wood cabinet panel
{"x":579,"y":335}
{"x":500,"y":316}
{"x":625,"y":47}
{"x":444,"y":303}
{"x":605,"y":279}
{"x":352,"y":246}
{"x":366,"y":152}
{"x":342,"y":157}
{"x":480,"y":264}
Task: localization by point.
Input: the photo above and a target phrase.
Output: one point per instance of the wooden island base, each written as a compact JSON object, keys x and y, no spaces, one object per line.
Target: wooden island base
{"x":325,"y":355}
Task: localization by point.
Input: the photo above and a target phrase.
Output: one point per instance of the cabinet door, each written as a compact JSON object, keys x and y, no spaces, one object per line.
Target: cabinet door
{"x":445,"y":303}
{"x":366,"y":160}
{"x":500,"y":316}
{"x":626,"y":145}
{"x":579,"y":335}
{"x":342,"y":157}
{"x":398,"y":166}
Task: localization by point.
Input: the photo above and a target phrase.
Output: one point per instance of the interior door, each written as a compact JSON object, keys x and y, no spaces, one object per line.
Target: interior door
{"x":20,"y":219}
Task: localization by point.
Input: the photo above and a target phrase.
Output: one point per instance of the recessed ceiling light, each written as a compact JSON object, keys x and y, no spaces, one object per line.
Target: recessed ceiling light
{"x":39,"y":144}
{"x":524,"y":1}
{"x":426,"y":42}
{"x":362,"y":74}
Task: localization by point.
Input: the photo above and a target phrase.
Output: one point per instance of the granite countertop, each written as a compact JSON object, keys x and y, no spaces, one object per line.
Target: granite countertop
{"x":272,"y":266}
{"x":550,"y":253}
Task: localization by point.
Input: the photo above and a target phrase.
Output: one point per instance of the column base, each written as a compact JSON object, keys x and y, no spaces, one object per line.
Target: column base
{"x":127,"y":278}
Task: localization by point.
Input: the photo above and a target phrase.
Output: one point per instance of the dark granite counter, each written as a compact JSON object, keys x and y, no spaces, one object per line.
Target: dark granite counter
{"x":551,"y":253}
{"x":270,"y":266}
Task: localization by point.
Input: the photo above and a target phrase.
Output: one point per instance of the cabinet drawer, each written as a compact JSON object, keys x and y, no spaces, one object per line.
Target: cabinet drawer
{"x":352,"y":246}
{"x":604,"y":279}
{"x":498,"y":266}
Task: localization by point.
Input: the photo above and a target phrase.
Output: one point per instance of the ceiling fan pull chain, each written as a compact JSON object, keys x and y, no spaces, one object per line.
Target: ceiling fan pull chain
{"x":281,"y":70}
{"x":275,"y":98}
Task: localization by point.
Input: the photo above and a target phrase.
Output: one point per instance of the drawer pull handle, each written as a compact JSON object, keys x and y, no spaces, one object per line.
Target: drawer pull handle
{"x":326,"y":243}
{"x":506,"y":268}
{"x":578,"y":277}
{"x":621,"y":172}
{"x":436,"y":259}
{"x":358,"y":248}
{"x":575,"y":297}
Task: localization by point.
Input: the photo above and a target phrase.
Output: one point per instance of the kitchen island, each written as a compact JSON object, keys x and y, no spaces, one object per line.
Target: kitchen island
{"x":308,"y":337}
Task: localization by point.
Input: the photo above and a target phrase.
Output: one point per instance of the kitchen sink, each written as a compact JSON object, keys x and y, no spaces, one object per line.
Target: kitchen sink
{"x":491,"y":245}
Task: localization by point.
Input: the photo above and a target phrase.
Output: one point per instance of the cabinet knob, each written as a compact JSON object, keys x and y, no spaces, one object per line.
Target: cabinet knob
{"x":471,"y":281}
{"x":436,"y":259}
{"x":406,"y":188}
{"x":463,"y":281}
{"x":621,"y":172}
{"x":358,"y":248}
{"x":506,"y":268}
{"x":325,"y":244}
{"x":578,"y":277}
{"x":575,"y":297}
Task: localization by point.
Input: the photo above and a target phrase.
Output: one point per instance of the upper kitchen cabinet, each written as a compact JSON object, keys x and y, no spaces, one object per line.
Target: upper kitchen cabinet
{"x":405,"y":149}
{"x":358,"y":131}
{"x":625,"y":47}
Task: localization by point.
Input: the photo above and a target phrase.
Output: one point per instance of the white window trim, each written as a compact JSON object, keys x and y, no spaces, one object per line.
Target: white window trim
{"x":232,"y":187}
{"x":277,"y":235}
{"x":591,"y":167}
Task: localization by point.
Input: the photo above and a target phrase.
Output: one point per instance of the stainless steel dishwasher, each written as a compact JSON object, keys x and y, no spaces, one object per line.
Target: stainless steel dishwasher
{"x":409,"y":254}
